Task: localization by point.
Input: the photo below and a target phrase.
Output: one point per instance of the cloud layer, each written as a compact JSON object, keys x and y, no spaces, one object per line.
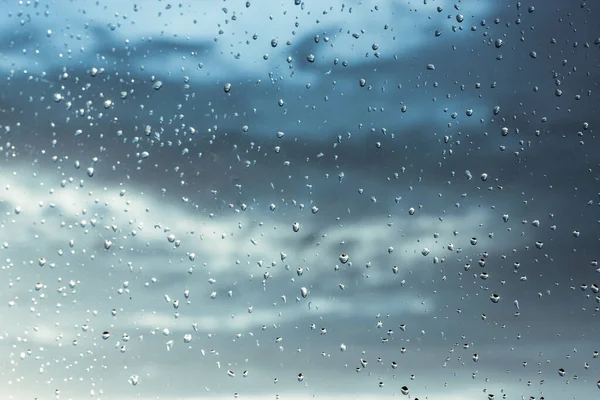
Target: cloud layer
{"x":214,"y":200}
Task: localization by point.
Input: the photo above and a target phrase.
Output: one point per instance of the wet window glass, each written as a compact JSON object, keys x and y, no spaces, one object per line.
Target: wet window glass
{"x":337,"y":199}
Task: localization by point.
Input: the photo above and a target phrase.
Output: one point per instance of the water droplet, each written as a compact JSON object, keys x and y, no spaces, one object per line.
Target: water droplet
{"x":157,"y":85}
{"x":494,"y":298}
{"x":227,"y":87}
{"x":105,"y":335}
{"x":344,"y":258}
{"x":90,"y":172}
{"x":304,"y":292}
{"x":296,"y":226}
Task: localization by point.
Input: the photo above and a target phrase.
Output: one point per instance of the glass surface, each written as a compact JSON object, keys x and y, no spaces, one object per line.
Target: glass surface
{"x":299,"y":199}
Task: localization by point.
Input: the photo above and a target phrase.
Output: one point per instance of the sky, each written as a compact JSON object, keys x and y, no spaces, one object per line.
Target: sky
{"x":268,"y":200}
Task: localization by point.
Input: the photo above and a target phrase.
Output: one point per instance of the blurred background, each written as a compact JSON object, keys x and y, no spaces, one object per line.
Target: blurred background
{"x":299,"y":199}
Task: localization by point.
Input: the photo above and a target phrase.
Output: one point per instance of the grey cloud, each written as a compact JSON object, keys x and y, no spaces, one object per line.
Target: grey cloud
{"x":212,"y":186}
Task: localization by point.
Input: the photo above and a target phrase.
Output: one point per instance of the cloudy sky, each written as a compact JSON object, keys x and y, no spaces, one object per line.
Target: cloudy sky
{"x":297,"y":199}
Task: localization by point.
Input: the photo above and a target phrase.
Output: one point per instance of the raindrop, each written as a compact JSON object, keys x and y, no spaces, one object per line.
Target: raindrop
{"x":296,"y":226}
{"x":227,"y":87}
{"x":134,"y":380}
{"x":304,"y":292}
{"x":344,"y":258}
{"x":494,"y":298}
